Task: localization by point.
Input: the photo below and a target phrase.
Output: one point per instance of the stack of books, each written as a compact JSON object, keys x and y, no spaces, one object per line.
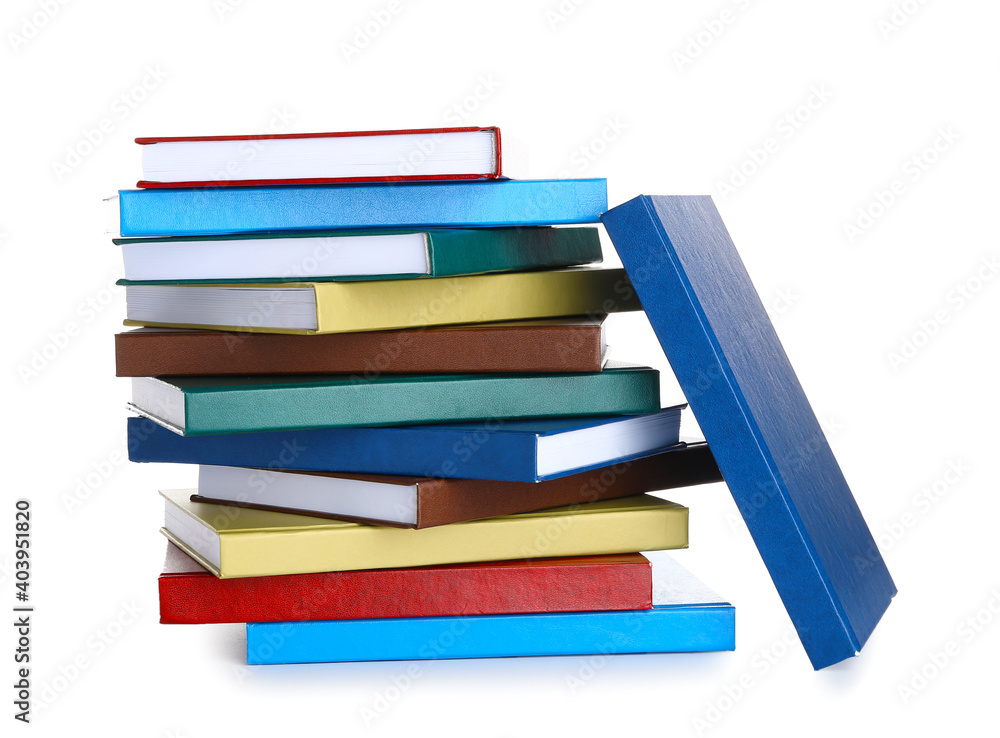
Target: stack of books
{"x":389,"y":362}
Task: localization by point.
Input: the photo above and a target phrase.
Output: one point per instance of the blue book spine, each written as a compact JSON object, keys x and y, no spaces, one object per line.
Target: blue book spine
{"x":207,"y":211}
{"x":474,"y":452}
{"x":756,"y":418}
{"x":662,"y":629}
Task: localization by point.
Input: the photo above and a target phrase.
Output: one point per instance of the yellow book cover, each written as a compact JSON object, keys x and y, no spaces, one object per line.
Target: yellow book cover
{"x":348,"y":307}
{"x":240,"y":542}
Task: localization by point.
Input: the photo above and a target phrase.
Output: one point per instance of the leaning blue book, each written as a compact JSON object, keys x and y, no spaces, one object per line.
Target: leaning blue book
{"x":222,"y":210}
{"x":755,"y":415}
{"x":686,"y":616}
{"x":501,"y":450}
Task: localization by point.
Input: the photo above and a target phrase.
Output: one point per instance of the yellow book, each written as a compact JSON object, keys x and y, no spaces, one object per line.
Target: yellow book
{"x":348,"y":307}
{"x":240,"y":542}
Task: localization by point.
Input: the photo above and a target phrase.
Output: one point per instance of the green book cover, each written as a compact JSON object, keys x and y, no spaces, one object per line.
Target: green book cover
{"x":448,"y":252}
{"x":206,"y":405}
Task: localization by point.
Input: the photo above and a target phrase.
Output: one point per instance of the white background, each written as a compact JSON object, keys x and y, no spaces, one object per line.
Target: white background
{"x":598,"y":89}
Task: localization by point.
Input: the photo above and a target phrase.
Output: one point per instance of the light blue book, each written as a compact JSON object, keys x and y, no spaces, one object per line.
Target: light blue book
{"x":221,"y":210}
{"x":686,"y":616}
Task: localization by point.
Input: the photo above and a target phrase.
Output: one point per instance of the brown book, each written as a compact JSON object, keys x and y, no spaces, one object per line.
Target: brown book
{"x":535,"y":346}
{"x":423,"y":502}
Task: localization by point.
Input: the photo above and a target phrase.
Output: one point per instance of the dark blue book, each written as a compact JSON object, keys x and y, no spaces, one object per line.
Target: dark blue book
{"x":756,"y":418}
{"x":686,"y":616}
{"x":502,"y":450}
{"x":207,"y":211}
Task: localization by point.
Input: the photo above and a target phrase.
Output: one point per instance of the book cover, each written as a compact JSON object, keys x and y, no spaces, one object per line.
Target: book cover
{"x":199,"y":405}
{"x":239,"y":542}
{"x":517,"y":347}
{"x":396,"y":155}
{"x":354,"y":255}
{"x":191,"y":594}
{"x":343,"y":307}
{"x":686,"y":616}
{"x":749,"y":404}
{"x":505,"y":450}
{"x":196,"y":211}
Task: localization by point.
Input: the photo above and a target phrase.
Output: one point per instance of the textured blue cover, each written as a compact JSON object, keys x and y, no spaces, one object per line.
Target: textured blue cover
{"x":502,"y":451}
{"x":756,"y":419}
{"x":206,"y":211}
{"x":686,"y":616}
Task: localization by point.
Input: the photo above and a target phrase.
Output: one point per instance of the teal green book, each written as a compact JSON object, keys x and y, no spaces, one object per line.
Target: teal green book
{"x":206,"y":405}
{"x":354,"y":255}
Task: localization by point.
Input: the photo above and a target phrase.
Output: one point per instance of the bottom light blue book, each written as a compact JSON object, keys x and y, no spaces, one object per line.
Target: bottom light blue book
{"x":686,"y":616}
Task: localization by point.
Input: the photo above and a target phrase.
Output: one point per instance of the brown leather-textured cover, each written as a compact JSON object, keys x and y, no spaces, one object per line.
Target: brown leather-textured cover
{"x":444,"y":501}
{"x":568,"y":345}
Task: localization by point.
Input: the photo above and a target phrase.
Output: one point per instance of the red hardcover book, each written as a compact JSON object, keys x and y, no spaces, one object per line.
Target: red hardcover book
{"x":322,"y":158}
{"x":190,"y":594}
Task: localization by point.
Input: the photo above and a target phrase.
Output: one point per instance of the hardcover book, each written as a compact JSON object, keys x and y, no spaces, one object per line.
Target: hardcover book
{"x":240,"y":542}
{"x":421,"y":502}
{"x":189,"y":593}
{"x":686,"y":617}
{"x":354,"y":255}
{"x":517,"y":347}
{"x":198,"y":405}
{"x":339,"y":307}
{"x":505,"y":450}
{"x":199,"y":211}
{"x":754,"y":414}
{"x":317,"y":158}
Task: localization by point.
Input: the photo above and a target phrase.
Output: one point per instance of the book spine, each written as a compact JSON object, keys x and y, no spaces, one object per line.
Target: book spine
{"x":475,"y":453}
{"x":442,"y":398}
{"x":459,"y":252}
{"x":604,"y":583}
{"x":657,"y":630}
{"x":486,"y":350}
{"x":444,"y":501}
{"x":576,"y":533}
{"x":191,"y":211}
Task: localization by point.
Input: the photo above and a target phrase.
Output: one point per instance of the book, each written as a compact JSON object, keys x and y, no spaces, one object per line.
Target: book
{"x":316,"y":158}
{"x":200,"y":211}
{"x":686,"y":616}
{"x":189,"y":593}
{"x":337,"y":307}
{"x":521,"y":347}
{"x":197,"y":405}
{"x":240,"y":542}
{"x":420,"y":502}
{"x":353,"y":255}
{"x":748,"y":402}
{"x":504,"y":450}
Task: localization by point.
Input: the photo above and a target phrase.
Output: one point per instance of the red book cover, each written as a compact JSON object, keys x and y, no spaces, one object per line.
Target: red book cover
{"x":190,"y":594}
{"x":495,"y":173}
